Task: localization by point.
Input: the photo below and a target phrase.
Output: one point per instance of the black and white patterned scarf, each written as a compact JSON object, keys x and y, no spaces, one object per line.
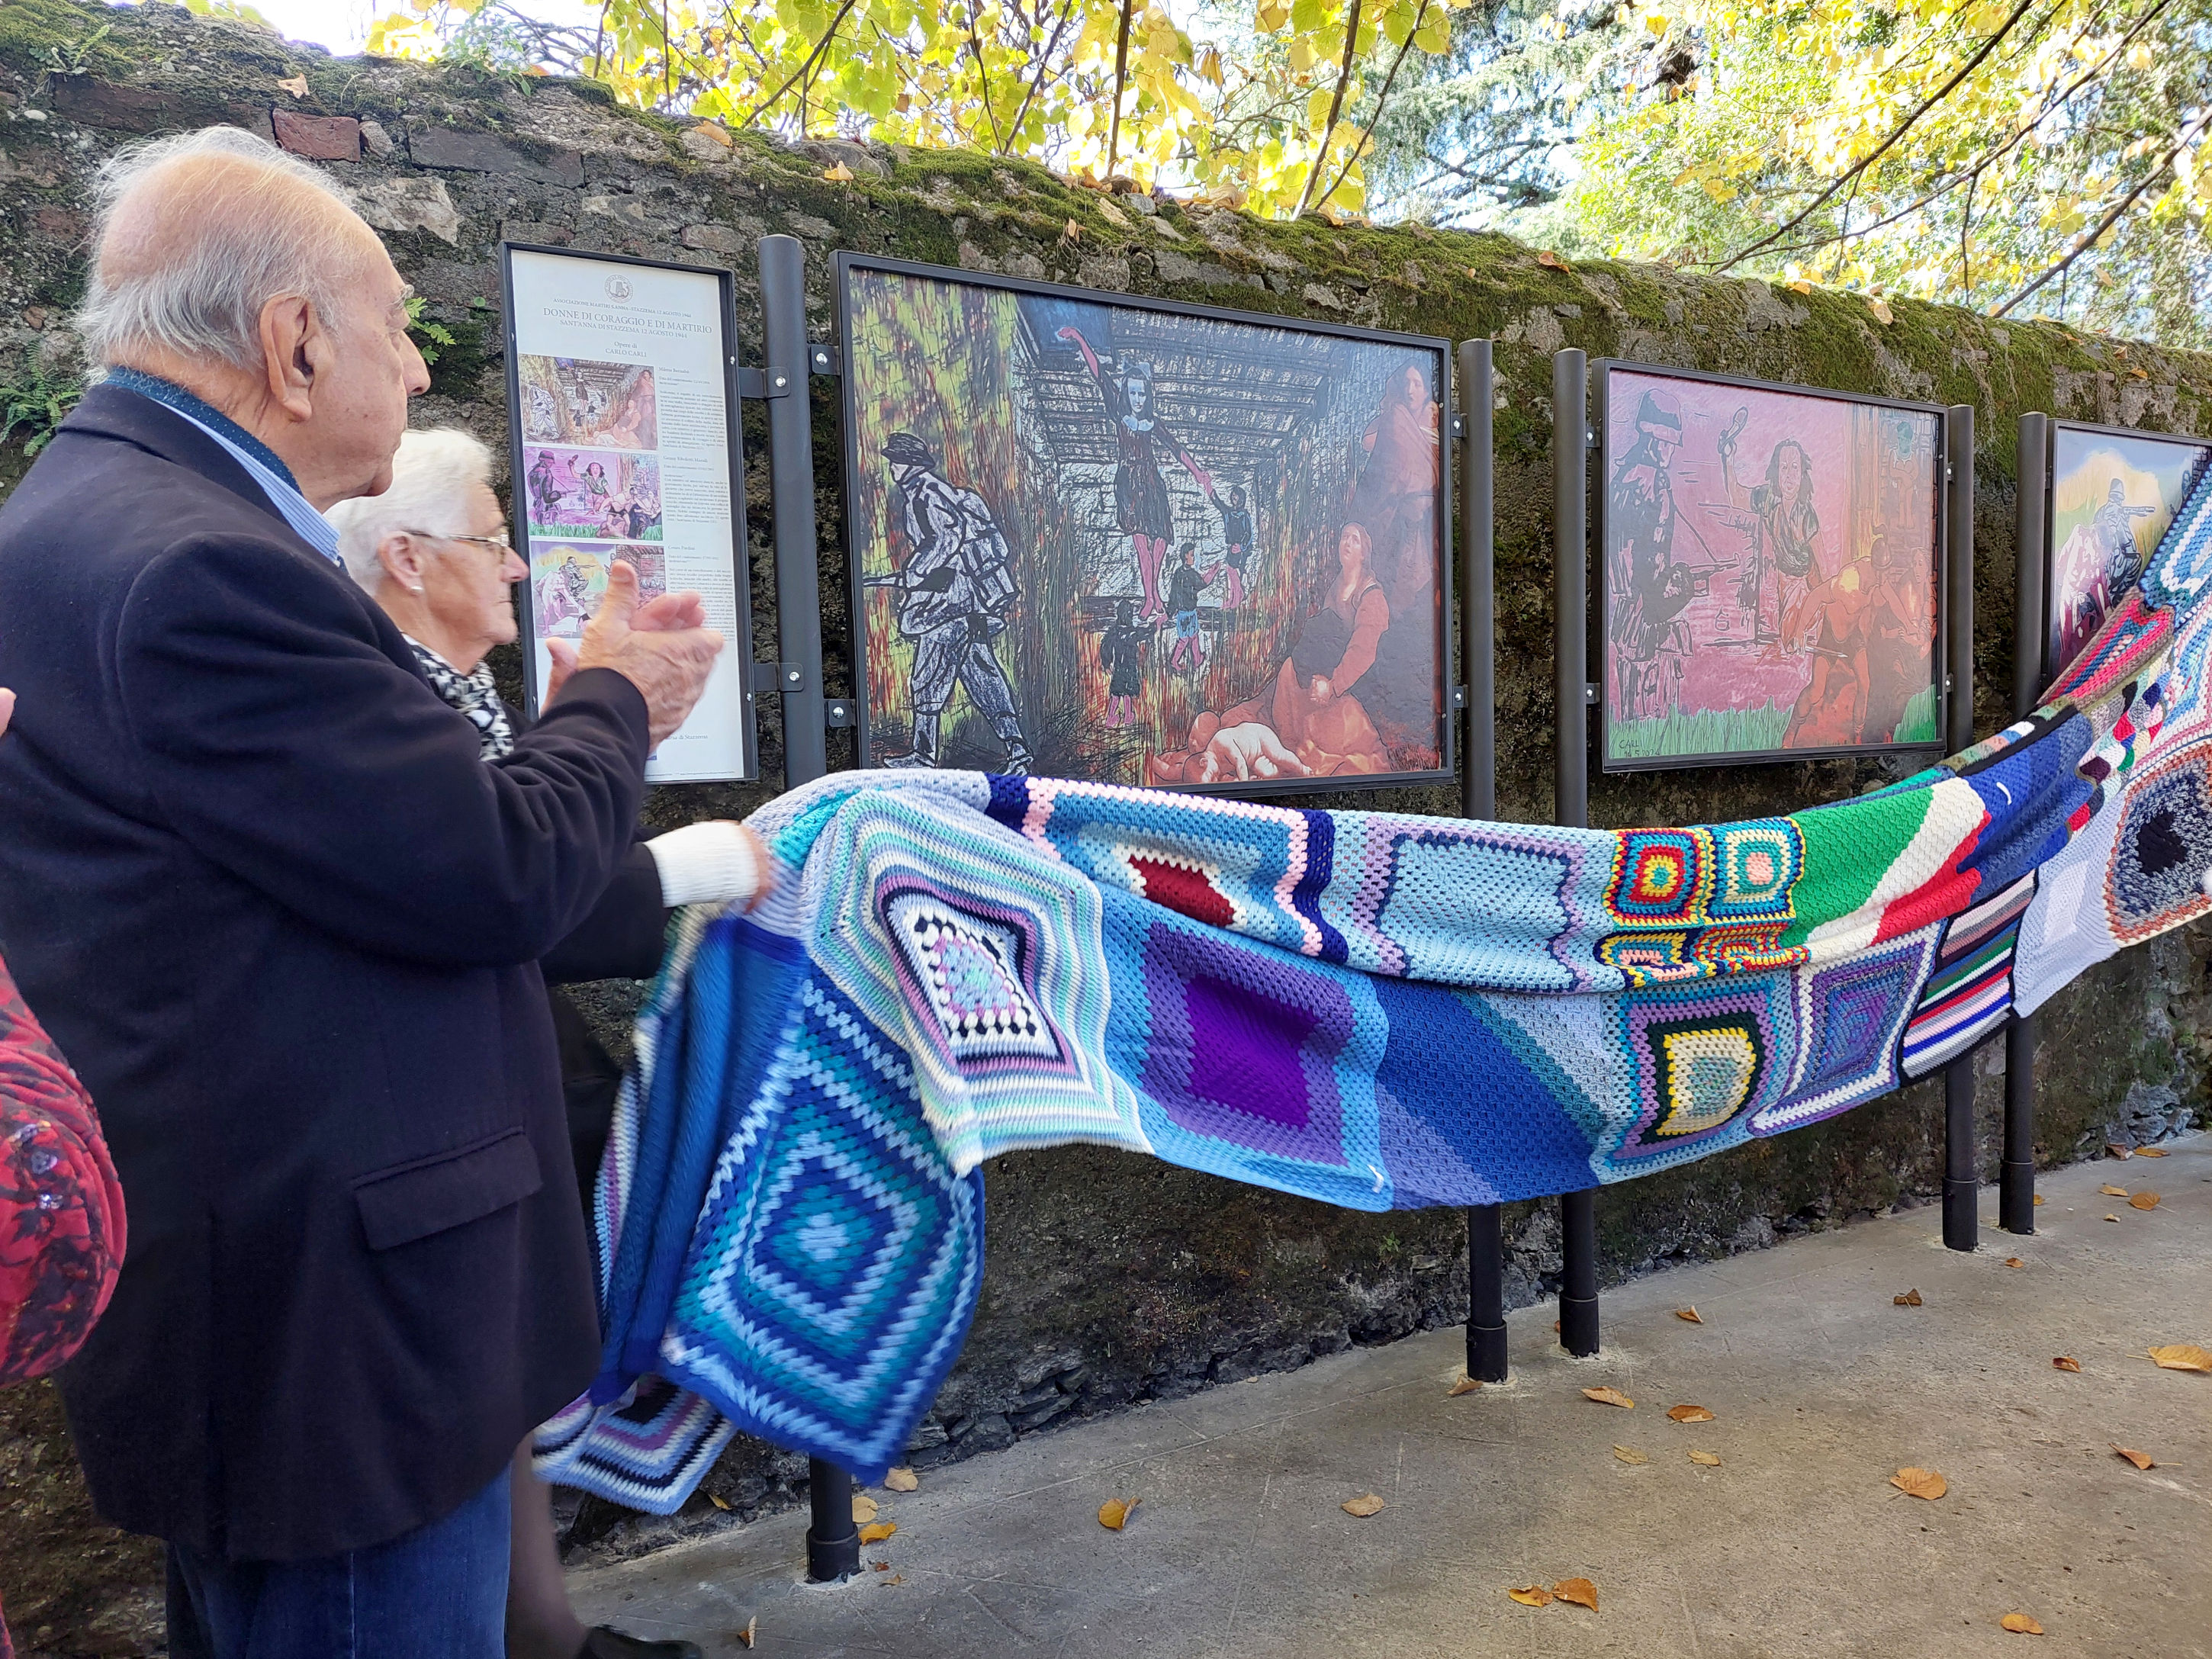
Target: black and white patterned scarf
{"x":473,"y":694}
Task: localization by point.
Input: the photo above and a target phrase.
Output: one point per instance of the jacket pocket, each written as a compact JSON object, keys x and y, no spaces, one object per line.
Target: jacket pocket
{"x":414,"y":1200}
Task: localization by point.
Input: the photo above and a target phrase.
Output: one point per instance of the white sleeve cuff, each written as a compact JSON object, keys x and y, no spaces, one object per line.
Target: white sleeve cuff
{"x":705,"y":864}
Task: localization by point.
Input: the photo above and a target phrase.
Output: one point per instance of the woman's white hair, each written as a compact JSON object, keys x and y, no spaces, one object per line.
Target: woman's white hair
{"x":431,"y":477}
{"x":197,"y":232}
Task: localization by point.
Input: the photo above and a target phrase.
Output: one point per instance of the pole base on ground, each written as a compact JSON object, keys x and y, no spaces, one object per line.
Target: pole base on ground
{"x":1485,"y":1353}
{"x":833,"y":1542}
{"x":1578,"y":1325}
{"x":1960,"y":1223}
{"x":2016,"y":1197}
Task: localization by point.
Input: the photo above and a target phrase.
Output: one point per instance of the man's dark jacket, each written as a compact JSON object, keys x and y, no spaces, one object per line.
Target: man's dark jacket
{"x":285,"y":923}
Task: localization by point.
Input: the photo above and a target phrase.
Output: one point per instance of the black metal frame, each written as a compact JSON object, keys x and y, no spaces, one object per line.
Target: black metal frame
{"x":2053,"y":427}
{"x":845,"y":262}
{"x":1600,"y":373}
{"x":740,"y":573}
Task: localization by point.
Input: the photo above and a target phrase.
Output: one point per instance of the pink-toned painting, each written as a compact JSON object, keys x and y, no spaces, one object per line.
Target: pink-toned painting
{"x":1770,"y":571}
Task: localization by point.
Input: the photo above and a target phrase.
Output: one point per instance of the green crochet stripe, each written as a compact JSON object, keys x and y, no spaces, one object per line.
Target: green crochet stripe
{"x":1848,"y":850}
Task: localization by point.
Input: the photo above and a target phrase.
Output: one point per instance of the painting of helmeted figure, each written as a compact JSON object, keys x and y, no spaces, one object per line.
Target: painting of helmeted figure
{"x":2112,"y":495}
{"x":1109,"y":541}
{"x":1771,"y":569}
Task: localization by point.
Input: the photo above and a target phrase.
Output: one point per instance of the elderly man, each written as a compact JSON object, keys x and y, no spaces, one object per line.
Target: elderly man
{"x":285,"y":922}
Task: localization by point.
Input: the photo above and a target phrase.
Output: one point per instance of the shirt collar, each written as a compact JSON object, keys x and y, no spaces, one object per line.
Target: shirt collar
{"x":262,"y":463}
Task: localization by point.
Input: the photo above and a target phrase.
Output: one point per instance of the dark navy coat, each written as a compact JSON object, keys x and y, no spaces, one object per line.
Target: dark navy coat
{"x":286,"y":924}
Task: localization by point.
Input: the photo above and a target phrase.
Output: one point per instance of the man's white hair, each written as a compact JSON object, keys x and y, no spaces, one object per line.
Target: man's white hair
{"x":431,"y":477}
{"x":195,"y":233}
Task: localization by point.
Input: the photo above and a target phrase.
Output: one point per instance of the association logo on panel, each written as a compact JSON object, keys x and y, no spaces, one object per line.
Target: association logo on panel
{"x":619,"y":288}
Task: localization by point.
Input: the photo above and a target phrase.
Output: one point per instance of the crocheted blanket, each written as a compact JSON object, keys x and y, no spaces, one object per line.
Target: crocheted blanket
{"x":1379,"y":1011}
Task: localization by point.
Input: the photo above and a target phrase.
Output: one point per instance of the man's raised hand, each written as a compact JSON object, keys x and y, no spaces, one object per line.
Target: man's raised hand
{"x":663,"y":647}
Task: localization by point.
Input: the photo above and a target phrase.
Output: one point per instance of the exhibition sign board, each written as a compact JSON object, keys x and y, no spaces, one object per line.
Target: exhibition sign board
{"x":623,"y":412}
{"x":2113,"y":493}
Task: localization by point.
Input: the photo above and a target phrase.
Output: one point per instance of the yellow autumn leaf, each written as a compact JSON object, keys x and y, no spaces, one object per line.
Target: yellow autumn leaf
{"x":2110,"y":1191}
{"x":1910,"y":1300}
{"x":294,"y":84}
{"x":2020,"y":1624}
{"x":1363,"y":1506}
{"x":864,"y":1507}
{"x":1880,"y":308}
{"x":1709,"y":1459}
{"x":2015,"y":1262}
{"x":1465,"y":1385}
{"x":2183,"y":1356}
{"x":1920,"y":1483}
{"x":1689,"y":1314}
{"x":1552,"y":261}
{"x":2141,"y":1460}
{"x":902,"y":1481}
{"x":1609,"y":1397}
{"x":2067,"y":1362}
{"x":877,"y":1531}
{"x":1580,"y":1591}
{"x":2151,"y":1152}
{"x":751,"y":1631}
{"x":839,"y":174}
{"x":1629,"y":1454}
{"x":1689,"y":1413}
{"x":2145,"y":1200}
{"x":718,"y":1500}
{"x":1530,"y":1596}
{"x":1112,"y":215}
{"x":1799,"y":285}
{"x":2112,"y":1151}
{"x":1113,"y":1514}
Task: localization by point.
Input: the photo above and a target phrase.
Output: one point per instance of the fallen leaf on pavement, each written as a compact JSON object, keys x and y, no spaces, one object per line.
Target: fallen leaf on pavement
{"x":2145,"y":1200}
{"x":1629,"y":1454}
{"x":1711,"y":1459}
{"x":1689,"y":1313}
{"x":1363,"y":1506}
{"x":2015,"y":1262}
{"x":1920,"y":1483}
{"x":1689,"y":1413}
{"x":2183,"y":1356}
{"x":2150,"y":1152}
{"x":2111,"y":1191}
{"x":902,"y":1481}
{"x":840,"y":174}
{"x":1465,"y":1385}
{"x":2112,"y":1217}
{"x":2020,"y":1624}
{"x":2039,"y":1200}
{"x":2067,"y":1362}
{"x":2111,"y":1151}
{"x":1580,"y":1591}
{"x":879,"y":1566}
{"x":876,"y":1531}
{"x":2141,"y":1460}
{"x":864,"y":1507}
{"x":1609,"y":1397}
{"x":1113,"y":1514}
{"x":896,"y":1578}
{"x":1531,"y":1595}
{"x":750,"y":1631}
{"x":1910,"y":1300}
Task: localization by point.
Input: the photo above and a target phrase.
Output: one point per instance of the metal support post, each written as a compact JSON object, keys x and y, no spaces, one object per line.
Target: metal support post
{"x":1570,"y":763}
{"x":791,"y":475}
{"x":833,"y":1542}
{"x":2030,"y":633}
{"x":1961,"y":1168}
{"x":1478,"y":791}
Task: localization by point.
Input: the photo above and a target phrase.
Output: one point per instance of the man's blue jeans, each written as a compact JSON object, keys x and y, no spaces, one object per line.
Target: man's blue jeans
{"x":438,"y":1592}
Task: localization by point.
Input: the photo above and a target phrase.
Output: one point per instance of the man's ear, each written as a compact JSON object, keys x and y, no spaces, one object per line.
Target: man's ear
{"x":402,"y":556}
{"x":296,"y":349}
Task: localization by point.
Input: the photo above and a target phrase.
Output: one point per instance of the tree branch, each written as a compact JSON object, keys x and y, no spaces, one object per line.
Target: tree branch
{"x":1120,"y":78}
{"x":1381,"y":100}
{"x":2087,"y":240}
{"x":798,"y":74}
{"x":1882,"y":148}
{"x":1336,"y":103}
{"x":1044,"y":66}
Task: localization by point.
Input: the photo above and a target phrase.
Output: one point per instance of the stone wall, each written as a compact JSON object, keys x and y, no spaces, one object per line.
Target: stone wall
{"x":1113,"y":1278}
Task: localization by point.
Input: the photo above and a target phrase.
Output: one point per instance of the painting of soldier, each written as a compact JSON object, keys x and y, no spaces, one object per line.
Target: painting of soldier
{"x":2112,"y":495}
{"x":1117,"y":541}
{"x":574,"y":400}
{"x":1770,"y":564}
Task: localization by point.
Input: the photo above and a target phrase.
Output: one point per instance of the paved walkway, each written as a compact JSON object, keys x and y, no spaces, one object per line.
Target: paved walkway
{"x":1821,"y":1388}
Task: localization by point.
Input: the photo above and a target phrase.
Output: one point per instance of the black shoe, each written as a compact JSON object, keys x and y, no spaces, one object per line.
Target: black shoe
{"x":605,"y":1643}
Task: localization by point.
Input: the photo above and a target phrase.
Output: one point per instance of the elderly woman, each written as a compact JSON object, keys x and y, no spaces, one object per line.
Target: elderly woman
{"x":61,"y":1208}
{"x":433,"y":549}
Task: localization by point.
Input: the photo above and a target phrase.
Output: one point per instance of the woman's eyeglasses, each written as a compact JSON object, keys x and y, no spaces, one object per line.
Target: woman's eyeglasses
{"x":500,"y":546}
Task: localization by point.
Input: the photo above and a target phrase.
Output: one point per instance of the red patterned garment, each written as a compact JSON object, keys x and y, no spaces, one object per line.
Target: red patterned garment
{"x":61,"y":1209}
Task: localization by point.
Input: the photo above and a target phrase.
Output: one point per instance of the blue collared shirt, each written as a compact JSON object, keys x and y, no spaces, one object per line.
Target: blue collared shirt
{"x":261,"y":463}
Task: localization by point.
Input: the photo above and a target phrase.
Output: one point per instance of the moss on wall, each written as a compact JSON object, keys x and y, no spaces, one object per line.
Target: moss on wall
{"x":1112,"y":1278}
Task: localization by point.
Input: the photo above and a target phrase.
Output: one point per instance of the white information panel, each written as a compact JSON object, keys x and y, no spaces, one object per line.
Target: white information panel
{"x":625,"y":444}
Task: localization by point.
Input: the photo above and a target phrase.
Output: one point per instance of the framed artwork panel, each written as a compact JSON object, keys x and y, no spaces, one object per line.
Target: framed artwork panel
{"x":1101,"y":537}
{"x":2113,"y":492}
{"x":1770,"y":571}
